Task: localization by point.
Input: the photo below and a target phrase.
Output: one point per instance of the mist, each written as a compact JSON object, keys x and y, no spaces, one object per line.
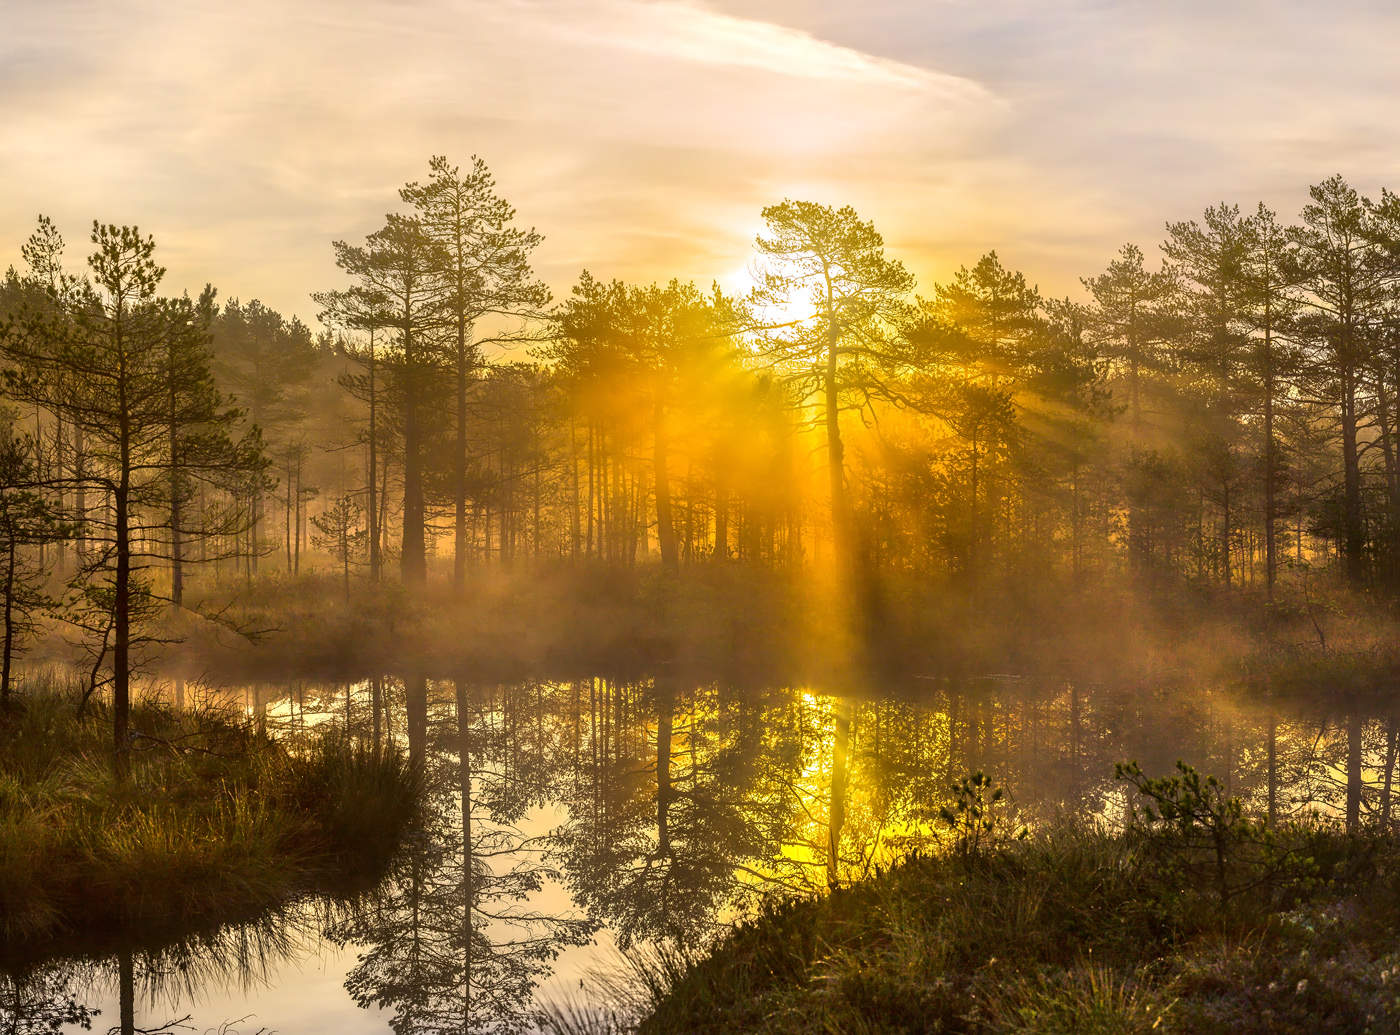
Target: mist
{"x":464,"y":633}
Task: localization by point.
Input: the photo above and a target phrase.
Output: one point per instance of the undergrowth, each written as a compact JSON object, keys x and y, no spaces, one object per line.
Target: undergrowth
{"x":216,"y":820}
{"x":1187,"y":917}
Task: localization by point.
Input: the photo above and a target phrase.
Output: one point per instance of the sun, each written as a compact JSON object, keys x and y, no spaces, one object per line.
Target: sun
{"x":741,"y":282}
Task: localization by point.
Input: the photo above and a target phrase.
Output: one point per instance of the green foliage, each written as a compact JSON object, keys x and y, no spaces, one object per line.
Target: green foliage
{"x":977,"y":815}
{"x":1198,"y":836}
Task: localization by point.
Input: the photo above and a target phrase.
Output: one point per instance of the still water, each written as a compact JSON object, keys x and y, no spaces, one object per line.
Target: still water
{"x":573,"y":822}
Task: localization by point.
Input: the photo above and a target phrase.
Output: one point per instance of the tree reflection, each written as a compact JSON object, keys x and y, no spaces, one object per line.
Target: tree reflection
{"x":46,"y":999}
{"x":43,"y":1002}
{"x":663,"y":809}
{"x":666,"y":818}
{"x":454,"y":941}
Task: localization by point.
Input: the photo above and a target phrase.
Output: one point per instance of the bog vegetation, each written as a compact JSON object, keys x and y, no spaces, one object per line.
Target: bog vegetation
{"x":211,"y":820}
{"x":1188,"y":919}
{"x":1192,"y":466}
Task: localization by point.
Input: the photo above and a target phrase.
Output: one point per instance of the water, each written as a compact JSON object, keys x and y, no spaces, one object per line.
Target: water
{"x":571,"y":821}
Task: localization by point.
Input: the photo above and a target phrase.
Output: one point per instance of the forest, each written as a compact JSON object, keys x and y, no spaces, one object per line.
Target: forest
{"x":1220,"y":418}
{"x":767,"y":591}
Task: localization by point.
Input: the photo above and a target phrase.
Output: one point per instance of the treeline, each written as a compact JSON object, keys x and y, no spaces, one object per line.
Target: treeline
{"x":1218,"y":414}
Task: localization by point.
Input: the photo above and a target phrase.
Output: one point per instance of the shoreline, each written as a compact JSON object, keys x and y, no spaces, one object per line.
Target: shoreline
{"x":218,"y":822}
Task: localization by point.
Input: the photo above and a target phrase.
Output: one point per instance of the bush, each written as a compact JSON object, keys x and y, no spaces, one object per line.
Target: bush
{"x":1196,"y":836}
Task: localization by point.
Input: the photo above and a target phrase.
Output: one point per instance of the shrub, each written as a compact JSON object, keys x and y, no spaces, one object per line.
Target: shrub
{"x":1198,"y":836}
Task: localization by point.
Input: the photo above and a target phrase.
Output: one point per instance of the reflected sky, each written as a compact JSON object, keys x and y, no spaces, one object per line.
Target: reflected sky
{"x":570,"y":820}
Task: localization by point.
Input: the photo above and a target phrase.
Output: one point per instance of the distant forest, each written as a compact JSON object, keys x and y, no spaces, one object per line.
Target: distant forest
{"x":1224,"y":410}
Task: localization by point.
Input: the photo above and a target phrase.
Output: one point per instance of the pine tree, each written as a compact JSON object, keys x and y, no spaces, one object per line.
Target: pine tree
{"x":484,"y":271}
{"x":127,"y":366}
{"x":831,"y":303}
{"x":341,"y":534}
{"x":1347,"y":274}
{"x":401,"y":265}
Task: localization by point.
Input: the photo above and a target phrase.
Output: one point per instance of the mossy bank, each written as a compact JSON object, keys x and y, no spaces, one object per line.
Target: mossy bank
{"x":216,"y":820}
{"x":1073,"y":929}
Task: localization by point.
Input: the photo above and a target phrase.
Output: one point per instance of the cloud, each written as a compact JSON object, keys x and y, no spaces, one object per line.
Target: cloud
{"x":633,"y":133}
{"x":643,"y":136}
{"x":676,"y":31}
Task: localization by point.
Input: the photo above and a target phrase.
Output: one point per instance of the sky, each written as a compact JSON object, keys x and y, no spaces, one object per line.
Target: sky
{"x":644,"y":137}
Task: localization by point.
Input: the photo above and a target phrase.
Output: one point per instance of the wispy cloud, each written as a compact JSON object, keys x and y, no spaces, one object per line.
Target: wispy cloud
{"x":643,"y":136}
{"x":675,"y":30}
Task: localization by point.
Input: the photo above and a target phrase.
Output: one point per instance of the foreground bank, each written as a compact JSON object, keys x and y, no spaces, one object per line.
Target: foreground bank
{"x":1192,"y":918}
{"x":217,"y":820}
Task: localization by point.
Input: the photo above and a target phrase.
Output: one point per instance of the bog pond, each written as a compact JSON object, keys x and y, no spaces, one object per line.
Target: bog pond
{"x":572,"y":822}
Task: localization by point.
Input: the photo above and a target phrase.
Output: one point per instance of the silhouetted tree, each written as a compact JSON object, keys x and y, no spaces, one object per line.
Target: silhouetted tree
{"x":831,"y":302}
{"x":1346,"y":274}
{"x":340,"y":534}
{"x":400,"y":264}
{"x":483,"y":270}
{"x":106,"y":367}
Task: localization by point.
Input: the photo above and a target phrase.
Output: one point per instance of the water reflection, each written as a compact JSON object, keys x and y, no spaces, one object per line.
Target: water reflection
{"x":143,"y":983}
{"x":461,"y":932}
{"x":624,"y":812}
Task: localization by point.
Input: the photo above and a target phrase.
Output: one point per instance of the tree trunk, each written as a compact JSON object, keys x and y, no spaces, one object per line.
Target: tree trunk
{"x":842,"y":532}
{"x":1225,"y":531}
{"x":575,"y":520}
{"x":121,"y":624}
{"x":177,"y":572}
{"x":121,"y":634}
{"x":413,"y":557}
{"x":1270,"y":459}
{"x":289,"y":506}
{"x":10,"y":560}
{"x":721,"y":550}
{"x":80,"y":491}
{"x":297,"y":521}
{"x":1353,"y":540}
{"x":459,"y":466}
{"x":1385,"y":435}
{"x":374,"y":542}
{"x":665,"y":526}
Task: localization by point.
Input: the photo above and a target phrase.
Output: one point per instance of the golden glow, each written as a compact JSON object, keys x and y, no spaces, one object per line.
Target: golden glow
{"x":642,"y":137}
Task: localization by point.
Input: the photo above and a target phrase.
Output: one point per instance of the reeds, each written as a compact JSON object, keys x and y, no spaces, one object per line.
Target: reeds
{"x":217,"y":820}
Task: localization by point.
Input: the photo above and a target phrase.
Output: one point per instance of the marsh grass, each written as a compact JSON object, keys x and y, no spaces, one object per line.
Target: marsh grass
{"x":1070,"y":930}
{"x":217,"y":820}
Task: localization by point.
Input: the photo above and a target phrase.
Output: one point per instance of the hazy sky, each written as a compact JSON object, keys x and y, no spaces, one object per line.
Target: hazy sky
{"x":642,"y":137}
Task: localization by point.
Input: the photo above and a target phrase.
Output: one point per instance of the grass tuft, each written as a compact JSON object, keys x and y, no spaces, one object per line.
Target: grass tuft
{"x":216,"y":821}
